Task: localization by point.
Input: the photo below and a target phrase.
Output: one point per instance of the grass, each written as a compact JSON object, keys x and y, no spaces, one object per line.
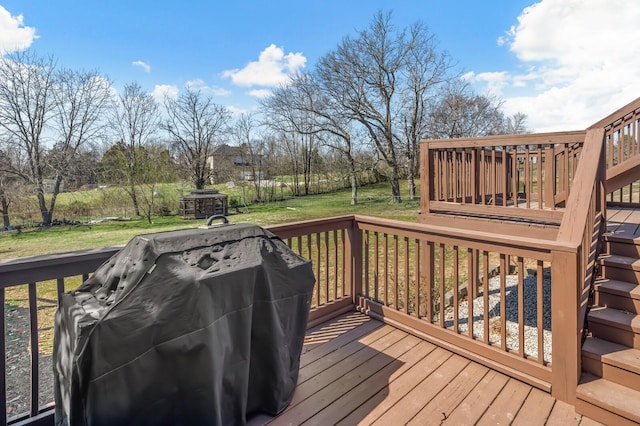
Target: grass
{"x":374,"y":200}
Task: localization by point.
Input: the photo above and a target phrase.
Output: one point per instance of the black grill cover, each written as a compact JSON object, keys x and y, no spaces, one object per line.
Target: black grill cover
{"x":193,"y":327}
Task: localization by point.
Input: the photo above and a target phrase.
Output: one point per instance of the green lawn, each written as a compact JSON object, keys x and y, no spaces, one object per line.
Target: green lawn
{"x":374,"y":200}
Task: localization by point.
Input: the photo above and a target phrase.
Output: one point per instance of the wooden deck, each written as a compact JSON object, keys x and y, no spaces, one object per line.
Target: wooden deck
{"x":623,"y":223}
{"x":357,"y":370}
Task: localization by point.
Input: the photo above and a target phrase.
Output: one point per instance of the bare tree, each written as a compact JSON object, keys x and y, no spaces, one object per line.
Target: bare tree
{"x":194,"y":123}
{"x":295,"y":126}
{"x":82,"y":100}
{"x":425,"y":69}
{"x":26,"y":85}
{"x":369,"y":75}
{"x":135,"y":120}
{"x":252,"y":148}
{"x":306,"y":96}
{"x":9,"y":185}
{"x":462,"y":113}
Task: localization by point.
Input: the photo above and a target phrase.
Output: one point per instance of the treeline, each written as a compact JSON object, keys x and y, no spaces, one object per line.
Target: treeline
{"x":360,"y":112}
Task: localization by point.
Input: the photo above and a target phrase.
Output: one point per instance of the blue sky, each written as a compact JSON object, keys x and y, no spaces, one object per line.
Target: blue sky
{"x":565,"y":63}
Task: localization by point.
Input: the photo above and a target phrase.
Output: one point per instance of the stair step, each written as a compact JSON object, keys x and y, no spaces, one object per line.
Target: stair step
{"x":614,"y":362}
{"x":623,"y":247}
{"x":621,"y":268}
{"x":618,"y":294}
{"x":618,"y":326}
{"x":607,"y":402}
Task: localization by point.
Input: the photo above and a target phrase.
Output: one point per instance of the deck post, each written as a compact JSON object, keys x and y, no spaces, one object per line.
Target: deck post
{"x":426,"y":189}
{"x":353,"y":253}
{"x":565,"y":325}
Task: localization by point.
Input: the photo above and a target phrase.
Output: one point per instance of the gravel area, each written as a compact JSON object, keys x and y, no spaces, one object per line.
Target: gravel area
{"x":18,"y":364}
{"x":495,"y":322}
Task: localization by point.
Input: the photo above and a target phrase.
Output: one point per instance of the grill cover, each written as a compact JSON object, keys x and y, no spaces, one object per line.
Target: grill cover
{"x":201,"y":326}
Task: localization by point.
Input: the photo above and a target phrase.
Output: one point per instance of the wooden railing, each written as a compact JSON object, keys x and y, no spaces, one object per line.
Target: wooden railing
{"x":484,"y":295}
{"x":30,"y":289}
{"x":513,"y":176}
{"x":29,"y":292}
{"x":512,"y":302}
{"x":622,"y":150}
{"x":573,"y":267}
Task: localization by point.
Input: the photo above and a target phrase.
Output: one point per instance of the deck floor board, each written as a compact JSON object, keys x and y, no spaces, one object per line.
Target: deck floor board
{"x":357,"y":370}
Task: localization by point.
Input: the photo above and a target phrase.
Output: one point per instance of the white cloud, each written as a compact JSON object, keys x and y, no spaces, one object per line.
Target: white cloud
{"x":578,"y":60}
{"x":260,"y":93}
{"x":199,"y":84}
{"x":493,"y":81}
{"x":162,"y":90}
{"x":14,"y":35}
{"x":141,"y":64}
{"x":271,"y":69}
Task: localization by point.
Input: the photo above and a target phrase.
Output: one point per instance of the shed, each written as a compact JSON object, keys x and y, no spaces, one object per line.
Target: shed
{"x":203,"y":203}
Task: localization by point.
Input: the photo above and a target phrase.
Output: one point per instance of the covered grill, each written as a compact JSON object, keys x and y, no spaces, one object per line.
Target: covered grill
{"x":201,"y":326}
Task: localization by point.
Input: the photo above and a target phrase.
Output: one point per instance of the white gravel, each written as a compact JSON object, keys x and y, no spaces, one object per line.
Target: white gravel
{"x":511,"y":299}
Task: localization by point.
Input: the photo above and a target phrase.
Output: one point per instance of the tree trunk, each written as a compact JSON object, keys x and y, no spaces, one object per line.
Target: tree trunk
{"x":42,"y":204}
{"x":395,"y":183}
{"x":354,"y":181}
{"x":134,"y":200}
{"x":4,"y":203}
{"x":5,"y":212}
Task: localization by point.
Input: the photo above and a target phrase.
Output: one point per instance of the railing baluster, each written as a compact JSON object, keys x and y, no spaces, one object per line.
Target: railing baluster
{"x":521,"y":313}
{"x":494,"y":173}
{"x":528,"y":180}
{"x":396,"y":274}
{"x":539,"y":180}
{"x":335,"y":264}
{"x":417,"y":271}
{"x":406,"y":275}
{"x":483,"y":177}
{"x":455,"y":177}
{"x":456,"y":288}
{"x":472,"y":259}
{"x":474,"y":176}
{"x":60,"y":288}
{"x":446,"y":178}
{"x":376,"y":266}
{"x":367,"y":254}
{"x":514,"y":177}
{"x":346,"y":289}
{"x":430,"y":275}
{"x":504,"y":178}
{"x":35,"y":364}
{"x":326,"y":268}
{"x":540,"y":309}
{"x":441,"y":253}
{"x":318,"y":265}
{"x":385,"y":262}
{"x":485,"y":295}
{"x":503,"y":301}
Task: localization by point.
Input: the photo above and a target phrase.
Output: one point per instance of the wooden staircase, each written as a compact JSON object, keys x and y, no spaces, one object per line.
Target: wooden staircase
{"x":609,"y":389}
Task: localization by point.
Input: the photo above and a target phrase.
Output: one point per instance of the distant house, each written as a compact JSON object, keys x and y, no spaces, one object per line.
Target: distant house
{"x":229,"y":163}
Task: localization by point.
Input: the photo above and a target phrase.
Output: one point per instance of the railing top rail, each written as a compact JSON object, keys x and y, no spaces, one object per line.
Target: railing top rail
{"x":502,"y":140}
{"x":52,"y":266}
{"x":617,"y":116}
{"x":287,"y":230}
{"x":576,"y":212}
{"x":421,"y":229}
